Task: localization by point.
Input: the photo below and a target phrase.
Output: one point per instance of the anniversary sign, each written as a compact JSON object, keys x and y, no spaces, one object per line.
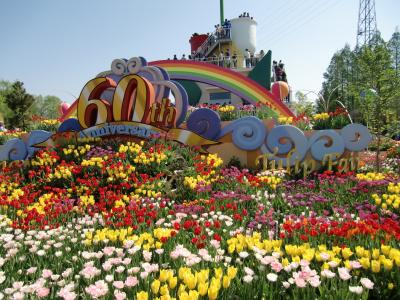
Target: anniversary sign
{"x":144,"y":101}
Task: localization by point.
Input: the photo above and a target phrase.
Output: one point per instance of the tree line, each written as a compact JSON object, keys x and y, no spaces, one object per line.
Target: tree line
{"x":366,"y":81}
{"x":17,"y":106}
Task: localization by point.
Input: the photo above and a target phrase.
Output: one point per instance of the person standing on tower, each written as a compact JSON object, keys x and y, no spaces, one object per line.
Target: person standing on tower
{"x":234,"y":60}
{"x":227,"y":59}
{"x":221,"y":59}
{"x":247,"y":58}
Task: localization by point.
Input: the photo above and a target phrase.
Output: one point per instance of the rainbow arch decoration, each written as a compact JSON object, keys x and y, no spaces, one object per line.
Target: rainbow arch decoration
{"x":224,"y":78}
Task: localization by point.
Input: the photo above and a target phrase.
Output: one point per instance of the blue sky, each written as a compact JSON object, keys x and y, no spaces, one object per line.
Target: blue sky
{"x":55,"y":47}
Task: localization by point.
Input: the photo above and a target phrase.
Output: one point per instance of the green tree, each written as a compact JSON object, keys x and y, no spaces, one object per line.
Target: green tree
{"x":376,"y":74}
{"x":394,"y":47}
{"x":46,"y":107}
{"x":303,"y":105}
{"x":367,"y":82}
{"x":19,"y":102}
{"x":5,"y":87}
{"x":337,"y":82}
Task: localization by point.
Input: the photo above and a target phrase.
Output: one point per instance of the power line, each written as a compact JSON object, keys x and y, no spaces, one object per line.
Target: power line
{"x":295,"y":24}
{"x":282,"y":10}
{"x":294,"y":16}
{"x":292,"y":29}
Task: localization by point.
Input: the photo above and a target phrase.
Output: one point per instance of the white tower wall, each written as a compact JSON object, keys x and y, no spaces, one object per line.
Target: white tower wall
{"x":243,"y":34}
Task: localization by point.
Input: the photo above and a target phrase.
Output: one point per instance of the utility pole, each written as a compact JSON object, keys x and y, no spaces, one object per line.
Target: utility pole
{"x":221,"y":11}
{"x":366,"y":28}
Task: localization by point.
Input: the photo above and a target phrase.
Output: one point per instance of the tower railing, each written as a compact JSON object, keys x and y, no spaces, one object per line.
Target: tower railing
{"x":219,"y":35}
{"x":232,"y":62}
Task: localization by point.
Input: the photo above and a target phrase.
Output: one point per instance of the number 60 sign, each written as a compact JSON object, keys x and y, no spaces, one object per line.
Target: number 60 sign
{"x":133,"y":101}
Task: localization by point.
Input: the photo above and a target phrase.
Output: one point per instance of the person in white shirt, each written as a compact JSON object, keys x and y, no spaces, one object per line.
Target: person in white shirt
{"x":227,"y":59}
{"x":221,"y":59}
{"x":247,"y":57}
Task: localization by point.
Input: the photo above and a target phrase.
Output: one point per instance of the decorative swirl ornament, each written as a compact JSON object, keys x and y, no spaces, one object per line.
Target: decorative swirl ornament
{"x":156,"y":75}
{"x":134,"y":64}
{"x":248,"y":133}
{"x":119,"y":66}
{"x":326,"y":142}
{"x":356,"y":137}
{"x":14,"y":149}
{"x":69,"y":125}
{"x":285,"y":139}
{"x":181,"y":102}
{"x":36,"y":137}
{"x":205,"y":122}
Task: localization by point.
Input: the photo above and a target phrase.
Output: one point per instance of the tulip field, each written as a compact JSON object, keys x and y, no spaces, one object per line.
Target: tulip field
{"x":157,"y":220}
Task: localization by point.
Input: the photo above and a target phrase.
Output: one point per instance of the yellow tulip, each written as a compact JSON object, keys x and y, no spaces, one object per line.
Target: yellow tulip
{"x":365,"y":262}
{"x":202,"y":276}
{"x":193,"y":295}
{"x":164,"y":275}
{"x":375,"y":266}
{"x":388,"y":264}
{"x":155,"y":286}
{"x":164,"y":290}
{"x":172,"y":282}
{"x":212,"y":293}
{"x":182,"y":288}
{"x":232,"y":271}
{"x":385,"y":249}
{"x":347,"y":264}
{"x":346,"y":253}
{"x":285,"y":262}
{"x":191,"y":281}
{"x":296,"y":259}
{"x":142,"y":295}
{"x":203,"y":288}
{"x":375,"y":253}
{"x":360,"y":251}
{"x":183,"y":271}
{"x":218,"y":273}
{"x":183,"y":296}
{"x":226,"y":281}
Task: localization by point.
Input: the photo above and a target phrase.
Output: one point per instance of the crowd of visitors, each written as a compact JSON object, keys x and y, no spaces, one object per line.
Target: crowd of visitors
{"x":245,"y":15}
{"x":279,"y":71}
{"x":226,"y":58}
{"x":223,"y":31}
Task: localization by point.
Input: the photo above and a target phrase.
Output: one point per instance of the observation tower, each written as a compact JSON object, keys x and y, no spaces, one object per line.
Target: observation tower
{"x":232,"y":44}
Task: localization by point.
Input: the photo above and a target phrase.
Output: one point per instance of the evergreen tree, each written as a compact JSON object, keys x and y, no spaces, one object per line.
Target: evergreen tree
{"x":19,"y":102}
{"x":394,"y":47}
{"x":5,"y":87}
{"x":339,"y":75}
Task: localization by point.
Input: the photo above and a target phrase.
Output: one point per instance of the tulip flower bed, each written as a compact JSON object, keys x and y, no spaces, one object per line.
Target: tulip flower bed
{"x":119,"y":220}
